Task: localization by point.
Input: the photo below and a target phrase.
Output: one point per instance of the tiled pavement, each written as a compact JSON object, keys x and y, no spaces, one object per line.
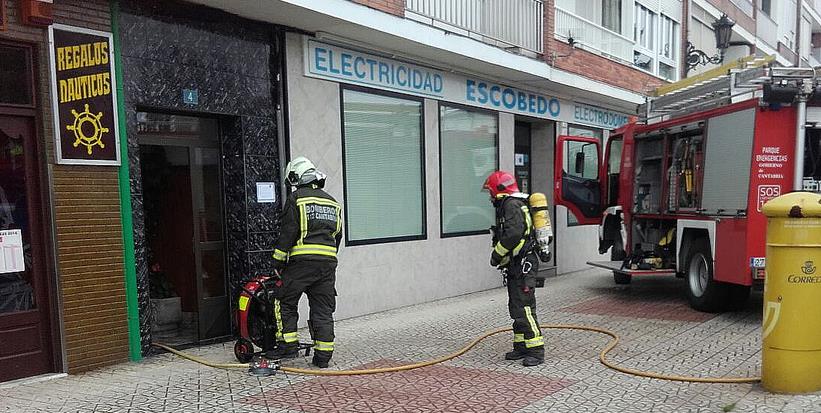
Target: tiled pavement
{"x":659,"y":332}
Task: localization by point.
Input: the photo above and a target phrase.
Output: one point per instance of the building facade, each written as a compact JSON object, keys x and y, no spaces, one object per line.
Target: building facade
{"x":174,"y":196}
{"x":62,"y":289}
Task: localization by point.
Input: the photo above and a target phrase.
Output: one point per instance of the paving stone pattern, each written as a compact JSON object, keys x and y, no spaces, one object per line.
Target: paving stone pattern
{"x":658,"y":331}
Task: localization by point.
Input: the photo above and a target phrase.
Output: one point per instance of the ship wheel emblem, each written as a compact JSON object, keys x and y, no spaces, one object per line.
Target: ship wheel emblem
{"x":81,"y":138}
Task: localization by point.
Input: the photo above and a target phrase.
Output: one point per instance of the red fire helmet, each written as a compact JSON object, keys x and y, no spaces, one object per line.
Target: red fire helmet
{"x":501,"y":182}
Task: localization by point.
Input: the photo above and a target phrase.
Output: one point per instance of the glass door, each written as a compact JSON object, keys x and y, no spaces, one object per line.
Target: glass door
{"x":209,"y":244}
{"x":184,"y":226}
{"x":25,"y":324}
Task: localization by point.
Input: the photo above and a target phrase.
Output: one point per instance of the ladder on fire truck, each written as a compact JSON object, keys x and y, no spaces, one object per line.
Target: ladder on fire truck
{"x":733,"y":82}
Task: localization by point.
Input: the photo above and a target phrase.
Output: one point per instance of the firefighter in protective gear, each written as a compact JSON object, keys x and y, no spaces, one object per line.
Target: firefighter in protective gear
{"x":514,"y":253}
{"x":308,"y":242}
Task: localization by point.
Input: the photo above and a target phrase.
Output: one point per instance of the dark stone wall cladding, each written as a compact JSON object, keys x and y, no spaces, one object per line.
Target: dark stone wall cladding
{"x":234,"y":65}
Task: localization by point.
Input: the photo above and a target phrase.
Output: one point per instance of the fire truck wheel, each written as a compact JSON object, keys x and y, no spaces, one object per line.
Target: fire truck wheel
{"x":243,"y":350}
{"x":704,"y":293}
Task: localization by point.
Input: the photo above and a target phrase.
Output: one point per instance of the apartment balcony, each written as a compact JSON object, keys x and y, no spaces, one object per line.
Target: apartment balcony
{"x":504,"y":23}
{"x":593,"y":36}
{"x":766,"y":30}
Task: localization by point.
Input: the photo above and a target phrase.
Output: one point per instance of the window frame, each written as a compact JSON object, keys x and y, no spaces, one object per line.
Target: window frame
{"x":422,"y":166}
{"x":769,"y":10}
{"x":656,"y":52}
{"x":672,"y":61}
{"x":572,"y":221}
{"x":495,"y":114}
{"x":31,"y":62}
{"x":621,"y":18}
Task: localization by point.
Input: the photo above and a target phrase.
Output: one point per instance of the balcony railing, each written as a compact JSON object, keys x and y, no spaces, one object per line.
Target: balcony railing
{"x":593,"y":36}
{"x":513,"y":23}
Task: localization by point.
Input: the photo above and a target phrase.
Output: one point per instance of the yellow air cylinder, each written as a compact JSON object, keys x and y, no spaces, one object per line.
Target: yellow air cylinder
{"x":791,"y":329}
{"x":541,"y":224}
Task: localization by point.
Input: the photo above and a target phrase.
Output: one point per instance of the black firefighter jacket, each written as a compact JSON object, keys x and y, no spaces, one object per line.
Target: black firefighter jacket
{"x":311,"y":226}
{"x":512,"y":230}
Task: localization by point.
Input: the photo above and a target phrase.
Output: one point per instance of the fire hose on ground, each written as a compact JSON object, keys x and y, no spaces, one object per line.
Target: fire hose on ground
{"x":614,"y":340}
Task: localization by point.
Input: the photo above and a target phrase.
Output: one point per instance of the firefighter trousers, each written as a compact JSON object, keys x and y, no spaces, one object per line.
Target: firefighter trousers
{"x":527,"y":336}
{"x":317,"y":279}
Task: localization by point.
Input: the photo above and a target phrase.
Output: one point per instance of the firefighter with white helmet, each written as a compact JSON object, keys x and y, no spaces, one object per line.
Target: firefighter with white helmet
{"x":514,"y":251}
{"x":306,"y":251}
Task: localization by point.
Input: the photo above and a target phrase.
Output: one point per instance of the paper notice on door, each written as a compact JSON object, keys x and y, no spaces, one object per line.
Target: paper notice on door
{"x":266,"y":192}
{"x":11,"y":251}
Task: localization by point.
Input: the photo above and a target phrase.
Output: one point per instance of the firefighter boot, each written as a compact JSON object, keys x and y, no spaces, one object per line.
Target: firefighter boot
{"x":534,"y":357}
{"x":519,"y":352}
{"x":283,"y":351}
{"x":321,"y":358}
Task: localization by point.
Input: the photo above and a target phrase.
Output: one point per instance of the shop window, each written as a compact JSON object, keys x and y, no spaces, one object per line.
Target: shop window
{"x":591,"y":159}
{"x":383,"y":167}
{"x":15,"y":76}
{"x":468,"y":154}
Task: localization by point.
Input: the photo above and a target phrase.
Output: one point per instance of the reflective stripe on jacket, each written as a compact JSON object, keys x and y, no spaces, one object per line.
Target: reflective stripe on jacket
{"x":311,"y":226}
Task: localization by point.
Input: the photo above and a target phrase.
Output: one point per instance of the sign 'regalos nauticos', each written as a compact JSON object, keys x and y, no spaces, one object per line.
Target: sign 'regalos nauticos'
{"x":331,"y":62}
{"x":84,"y":96}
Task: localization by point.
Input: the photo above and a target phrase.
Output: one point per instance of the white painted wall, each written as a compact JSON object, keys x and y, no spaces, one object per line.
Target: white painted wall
{"x":377,"y":277}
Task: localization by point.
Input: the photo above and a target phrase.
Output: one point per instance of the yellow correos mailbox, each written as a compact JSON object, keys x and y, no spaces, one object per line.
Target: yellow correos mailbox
{"x":791,"y":329}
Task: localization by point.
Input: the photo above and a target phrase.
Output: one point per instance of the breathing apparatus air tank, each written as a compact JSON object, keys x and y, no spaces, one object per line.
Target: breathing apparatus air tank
{"x":541,"y":224}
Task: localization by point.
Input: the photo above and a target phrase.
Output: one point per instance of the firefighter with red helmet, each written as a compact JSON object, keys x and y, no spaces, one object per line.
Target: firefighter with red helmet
{"x":514,"y":252}
{"x":306,"y":250}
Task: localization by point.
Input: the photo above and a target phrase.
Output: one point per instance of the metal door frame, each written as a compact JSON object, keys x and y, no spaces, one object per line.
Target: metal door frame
{"x":193,"y":142}
{"x":42,"y":226}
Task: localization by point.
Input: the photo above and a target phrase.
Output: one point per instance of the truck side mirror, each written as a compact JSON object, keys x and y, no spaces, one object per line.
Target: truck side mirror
{"x":579,"y":167}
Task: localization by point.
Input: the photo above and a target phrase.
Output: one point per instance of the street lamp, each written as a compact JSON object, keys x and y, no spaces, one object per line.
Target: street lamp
{"x":723,"y":29}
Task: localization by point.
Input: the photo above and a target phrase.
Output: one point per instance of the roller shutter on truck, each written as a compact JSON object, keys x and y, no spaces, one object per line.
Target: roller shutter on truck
{"x":728,"y":157}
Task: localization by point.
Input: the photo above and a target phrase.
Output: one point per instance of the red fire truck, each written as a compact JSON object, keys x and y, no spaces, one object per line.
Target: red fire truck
{"x":680,"y":193}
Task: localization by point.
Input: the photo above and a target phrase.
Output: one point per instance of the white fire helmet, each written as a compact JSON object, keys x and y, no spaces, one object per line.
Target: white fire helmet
{"x":301,"y":171}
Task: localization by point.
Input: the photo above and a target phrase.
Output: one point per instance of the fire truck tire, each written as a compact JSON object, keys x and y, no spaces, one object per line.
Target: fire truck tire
{"x":703,"y":292}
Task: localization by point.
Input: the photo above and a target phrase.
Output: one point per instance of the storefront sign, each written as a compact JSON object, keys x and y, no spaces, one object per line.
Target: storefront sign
{"x":350,"y":66}
{"x":84,"y":96}
{"x":331,"y":62}
{"x":594,"y":116}
{"x":11,"y":251}
{"x":508,"y":99}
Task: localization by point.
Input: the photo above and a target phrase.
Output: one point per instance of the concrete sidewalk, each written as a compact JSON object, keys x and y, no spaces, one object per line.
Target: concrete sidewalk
{"x":659,"y":332}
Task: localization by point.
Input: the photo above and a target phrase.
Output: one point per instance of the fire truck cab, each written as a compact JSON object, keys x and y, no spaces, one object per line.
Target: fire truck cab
{"x":680,"y":193}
